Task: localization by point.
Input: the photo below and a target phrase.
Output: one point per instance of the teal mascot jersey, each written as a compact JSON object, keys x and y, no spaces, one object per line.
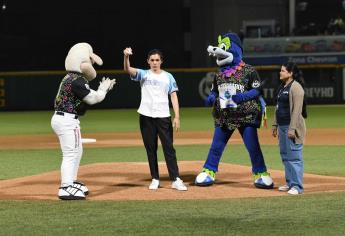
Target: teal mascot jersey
{"x":236,"y":97}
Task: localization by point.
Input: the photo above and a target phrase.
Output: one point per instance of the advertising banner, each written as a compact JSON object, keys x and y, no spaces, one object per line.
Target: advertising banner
{"x":37,"y":92}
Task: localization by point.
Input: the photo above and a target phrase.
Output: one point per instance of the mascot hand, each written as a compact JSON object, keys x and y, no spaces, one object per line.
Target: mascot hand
{"x":237,"y":98}
{"x":246,"y":96}
{"x":211,"y":99}
{"x":112,"y":83}
{"x":106,"y":84}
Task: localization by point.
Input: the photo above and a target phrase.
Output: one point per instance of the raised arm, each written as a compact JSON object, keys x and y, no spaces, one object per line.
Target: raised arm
{"x":126,"y":64}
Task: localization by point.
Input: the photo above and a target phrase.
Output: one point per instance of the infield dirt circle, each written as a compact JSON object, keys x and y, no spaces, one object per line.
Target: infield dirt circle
{"x":129,"y":181}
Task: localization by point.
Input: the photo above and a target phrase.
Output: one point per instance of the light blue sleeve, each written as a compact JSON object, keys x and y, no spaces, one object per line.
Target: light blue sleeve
{"x":172,"y":84}
{"x":140,"y":74}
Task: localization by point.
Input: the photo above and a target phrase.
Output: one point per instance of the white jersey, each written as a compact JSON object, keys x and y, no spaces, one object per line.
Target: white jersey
{"x":155,"y":89}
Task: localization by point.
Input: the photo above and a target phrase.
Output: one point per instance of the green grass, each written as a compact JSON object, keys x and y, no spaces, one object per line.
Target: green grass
{"x":112,"y":120}
{"x":302,"y":215}
{"x":309,"y":214}
{"x":126,"y":120}
{"x":322,"y":116}
{"x":324,"y":160}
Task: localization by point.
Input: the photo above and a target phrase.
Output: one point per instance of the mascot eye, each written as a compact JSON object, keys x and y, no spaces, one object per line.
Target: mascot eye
{"x":223,"y":46}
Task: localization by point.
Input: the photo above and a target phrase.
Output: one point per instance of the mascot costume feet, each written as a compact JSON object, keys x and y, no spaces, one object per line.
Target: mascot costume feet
{"x":70,"y":103}
{"x":237,"y":104}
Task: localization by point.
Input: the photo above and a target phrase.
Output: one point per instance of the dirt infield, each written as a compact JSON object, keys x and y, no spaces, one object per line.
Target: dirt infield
{"x":129,"y":181}
{"x":314,"y":137}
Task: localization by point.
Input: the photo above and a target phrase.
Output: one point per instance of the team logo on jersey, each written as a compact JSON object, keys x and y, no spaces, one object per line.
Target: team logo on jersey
{"x":256,"y":84}
{"x":87,"y":86}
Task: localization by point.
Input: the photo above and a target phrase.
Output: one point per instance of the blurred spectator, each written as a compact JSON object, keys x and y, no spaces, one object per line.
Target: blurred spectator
{"x":278,"y":31}
{"x":339,"y":25}
{"x":307,"y":30}
{"x":336,"y":26}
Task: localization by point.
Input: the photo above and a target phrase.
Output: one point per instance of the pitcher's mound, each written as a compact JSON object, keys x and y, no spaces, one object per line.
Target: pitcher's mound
{"x":129,"y":181}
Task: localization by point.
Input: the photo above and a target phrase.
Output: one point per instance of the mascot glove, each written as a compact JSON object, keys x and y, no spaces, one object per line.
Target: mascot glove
{"x":106,"y":84}
{"x":246,"y":96}
{"x":112,"y":83}
{"x":237,"y":98}
{"x":211,"y":99}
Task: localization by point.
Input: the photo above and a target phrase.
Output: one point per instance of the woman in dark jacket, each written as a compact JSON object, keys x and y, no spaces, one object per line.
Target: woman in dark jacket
{"x":289,"y":124}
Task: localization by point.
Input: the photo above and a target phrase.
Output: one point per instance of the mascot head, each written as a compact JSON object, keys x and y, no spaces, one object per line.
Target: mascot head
{"x":228,"y":52}
{"x":80,"y":58}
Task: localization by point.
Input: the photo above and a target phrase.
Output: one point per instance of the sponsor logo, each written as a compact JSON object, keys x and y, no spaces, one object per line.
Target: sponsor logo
{"x":314,"y":60}
{"x":256,"y":84}
{"x":320,"y":92}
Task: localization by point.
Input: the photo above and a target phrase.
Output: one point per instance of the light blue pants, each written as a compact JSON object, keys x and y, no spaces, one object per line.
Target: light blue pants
{"x":291,"y":154}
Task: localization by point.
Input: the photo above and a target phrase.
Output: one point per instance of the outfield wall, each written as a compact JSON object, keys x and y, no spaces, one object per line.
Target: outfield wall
{"x":36,"y":90}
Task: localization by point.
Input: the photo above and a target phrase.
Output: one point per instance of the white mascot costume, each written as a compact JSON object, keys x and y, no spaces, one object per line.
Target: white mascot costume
{"x":70,"y":103}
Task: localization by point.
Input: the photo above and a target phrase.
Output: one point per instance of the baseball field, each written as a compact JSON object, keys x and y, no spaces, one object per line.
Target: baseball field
{"x":116,"y":171}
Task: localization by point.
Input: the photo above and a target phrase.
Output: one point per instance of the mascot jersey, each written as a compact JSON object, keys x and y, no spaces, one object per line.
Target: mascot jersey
{"x":243,"y":79}
{"x":73,"y":88}
{"x":237,"y":104}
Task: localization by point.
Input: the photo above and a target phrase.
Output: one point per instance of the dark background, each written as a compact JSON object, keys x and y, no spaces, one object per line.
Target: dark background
{"x":37,"y":34}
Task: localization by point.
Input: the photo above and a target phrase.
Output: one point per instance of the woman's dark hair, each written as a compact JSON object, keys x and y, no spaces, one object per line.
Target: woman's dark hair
{"x":298,"y":76}
{"x":155,"y":51}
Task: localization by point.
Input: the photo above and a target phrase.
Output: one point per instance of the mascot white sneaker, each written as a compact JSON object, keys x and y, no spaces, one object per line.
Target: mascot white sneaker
{"x":205,"y":178}
{"x":263,"y":180}
{"x":70,"y":103}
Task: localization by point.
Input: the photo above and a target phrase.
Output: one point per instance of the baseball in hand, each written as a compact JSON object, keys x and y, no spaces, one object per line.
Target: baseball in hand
{"x":128,"y":51}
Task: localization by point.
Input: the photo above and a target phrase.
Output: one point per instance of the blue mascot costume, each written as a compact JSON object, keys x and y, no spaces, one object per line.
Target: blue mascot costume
{"x":237,"y":104}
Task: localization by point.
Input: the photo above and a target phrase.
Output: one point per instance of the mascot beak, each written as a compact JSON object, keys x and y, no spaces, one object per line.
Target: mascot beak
{"x":95,"y":58}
